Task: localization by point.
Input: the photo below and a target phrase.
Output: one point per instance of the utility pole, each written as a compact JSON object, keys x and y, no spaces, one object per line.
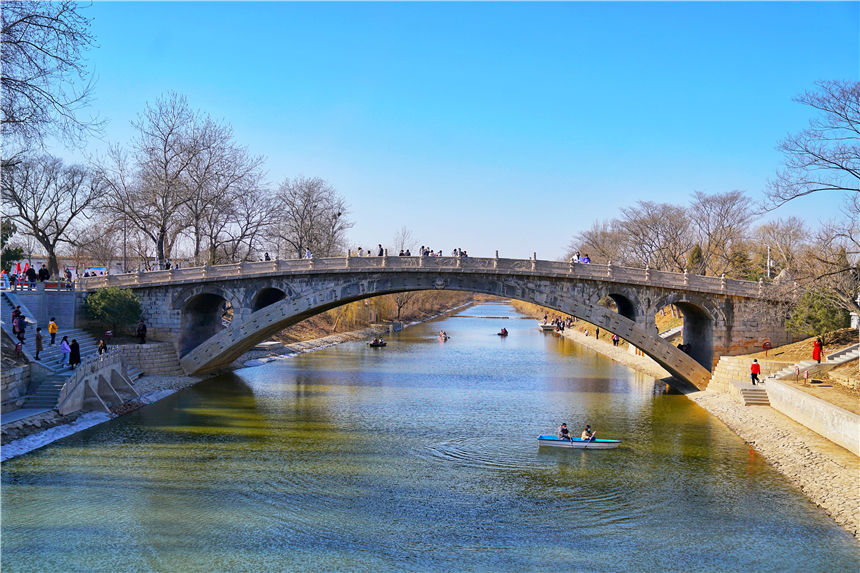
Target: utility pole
{"x":768,"y":261}
{"x":124,"y":258}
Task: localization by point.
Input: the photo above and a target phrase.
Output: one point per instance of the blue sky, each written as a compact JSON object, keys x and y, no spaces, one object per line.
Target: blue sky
{"x":487,"y":126}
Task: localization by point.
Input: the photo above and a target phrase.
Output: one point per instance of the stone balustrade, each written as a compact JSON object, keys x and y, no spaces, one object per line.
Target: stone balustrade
{"x":388,"y":264}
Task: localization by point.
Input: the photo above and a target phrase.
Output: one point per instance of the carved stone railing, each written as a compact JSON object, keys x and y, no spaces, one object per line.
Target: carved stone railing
{"x":494,"y":265}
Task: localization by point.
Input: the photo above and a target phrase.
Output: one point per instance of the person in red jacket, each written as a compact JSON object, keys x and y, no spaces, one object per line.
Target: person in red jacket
{"x":755,"y":370}
{"x":817,"y":347}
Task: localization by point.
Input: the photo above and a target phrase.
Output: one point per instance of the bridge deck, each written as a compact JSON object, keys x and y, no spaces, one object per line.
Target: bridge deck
{"x":608,"y":273}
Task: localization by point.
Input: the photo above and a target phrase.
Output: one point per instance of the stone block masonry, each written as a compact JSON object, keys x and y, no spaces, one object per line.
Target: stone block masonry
{"x":153,"y":358}
{"x":13,"y":387}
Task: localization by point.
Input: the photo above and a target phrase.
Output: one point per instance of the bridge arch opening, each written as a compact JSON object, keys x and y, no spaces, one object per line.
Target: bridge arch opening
{"x":203,"y":316}
{"x":698,"y":333}
{"x":266,"y":297}
{"x":623,"y":305}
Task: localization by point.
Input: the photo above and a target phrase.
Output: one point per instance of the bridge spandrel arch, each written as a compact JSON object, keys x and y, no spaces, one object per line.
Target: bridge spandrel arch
{"x":703,"y":321}
{"x":227,"y":345}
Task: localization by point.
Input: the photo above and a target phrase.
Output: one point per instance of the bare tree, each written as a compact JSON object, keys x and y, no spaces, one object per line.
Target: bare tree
{"x":826,"y":156}
{"x":404,"y":239}
{"x":310,"y":216}
{"x":786,"y":238}
{"x":656,"y":235}
{"x":45,"y":83}
{"x":248,"y":225}
{"x":45,"y":198}
{"x":602,"y":242}
{"x":720,"y":221}
{"x":832,"y":261}
{"x":219,"y":179}
{"x":152,"y":188}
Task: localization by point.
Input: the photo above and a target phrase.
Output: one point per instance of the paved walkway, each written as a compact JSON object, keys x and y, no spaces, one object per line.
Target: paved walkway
{"x":20,"y":414}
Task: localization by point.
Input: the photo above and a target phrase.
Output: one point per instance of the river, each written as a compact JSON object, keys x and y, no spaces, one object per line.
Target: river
{"x":420,"y":456}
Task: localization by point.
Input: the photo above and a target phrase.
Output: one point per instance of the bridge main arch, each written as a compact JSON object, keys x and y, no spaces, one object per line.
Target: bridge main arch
{"x":223,"y":347}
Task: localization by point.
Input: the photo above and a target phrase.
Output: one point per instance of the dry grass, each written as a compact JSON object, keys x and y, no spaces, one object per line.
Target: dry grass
{"x":802,"y":350}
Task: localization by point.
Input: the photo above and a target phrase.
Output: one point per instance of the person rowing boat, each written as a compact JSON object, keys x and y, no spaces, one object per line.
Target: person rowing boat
{"x":563,"y":432}
{"x":587,"y":434}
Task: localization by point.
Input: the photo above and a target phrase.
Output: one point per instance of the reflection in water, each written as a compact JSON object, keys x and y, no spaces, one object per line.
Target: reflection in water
{"x":419,"y":456}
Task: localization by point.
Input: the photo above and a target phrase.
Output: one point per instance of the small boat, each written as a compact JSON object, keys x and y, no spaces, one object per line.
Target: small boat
{"x":578,"y":443}
{"x":502,"y":333}
{"x":377,"y":344}
{"x":546,"y":327}
{"x":444,"y":338}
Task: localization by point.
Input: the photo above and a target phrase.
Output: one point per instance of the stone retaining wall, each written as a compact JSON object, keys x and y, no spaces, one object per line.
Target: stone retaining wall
{"x":13,"y":387}
{"x":737,"y":368}
{"x":153,"y":358}
{"x":830,"y":421}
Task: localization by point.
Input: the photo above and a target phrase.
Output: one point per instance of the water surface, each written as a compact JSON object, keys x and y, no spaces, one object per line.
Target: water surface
{"x":417,"y":457}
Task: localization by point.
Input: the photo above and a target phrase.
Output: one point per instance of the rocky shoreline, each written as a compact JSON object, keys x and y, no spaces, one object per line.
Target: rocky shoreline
{"x":827,"y":474}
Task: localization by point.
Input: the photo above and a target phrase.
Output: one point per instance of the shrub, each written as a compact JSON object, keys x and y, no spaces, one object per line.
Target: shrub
{"x":113,"y":307}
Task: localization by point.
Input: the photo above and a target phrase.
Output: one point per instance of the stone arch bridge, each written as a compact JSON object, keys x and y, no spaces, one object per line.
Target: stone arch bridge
{"x":721,"y":316}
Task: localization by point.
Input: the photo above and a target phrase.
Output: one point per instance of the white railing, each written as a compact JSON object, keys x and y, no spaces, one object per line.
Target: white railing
{"x":531,"y":267}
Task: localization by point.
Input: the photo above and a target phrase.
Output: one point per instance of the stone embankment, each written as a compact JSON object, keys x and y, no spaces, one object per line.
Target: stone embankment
{"x":827,"y":474}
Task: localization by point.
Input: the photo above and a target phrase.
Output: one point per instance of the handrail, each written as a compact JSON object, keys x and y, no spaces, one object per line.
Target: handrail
{"x":531,"y":267}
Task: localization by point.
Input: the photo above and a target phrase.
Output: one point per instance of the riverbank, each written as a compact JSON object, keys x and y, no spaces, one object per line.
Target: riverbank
{"x":827,"y":474}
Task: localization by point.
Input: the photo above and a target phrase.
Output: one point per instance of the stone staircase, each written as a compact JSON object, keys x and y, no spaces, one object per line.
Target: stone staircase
{"x":845,"y":355}
{"x":754,"y":395}
{"x":46,"y":394}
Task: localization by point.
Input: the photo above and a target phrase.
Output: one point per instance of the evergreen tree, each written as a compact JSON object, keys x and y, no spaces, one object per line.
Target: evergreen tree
{"x":817,"y":312}
{"x":696,"y":261}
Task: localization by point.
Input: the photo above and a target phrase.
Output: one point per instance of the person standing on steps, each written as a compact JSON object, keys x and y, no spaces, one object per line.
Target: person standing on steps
{"x":65,"y":349}
{"x":755,"y":370}
{"x":39,"y":345}
{"x":817,"y":349}
{"x":141,"y":332}
{"x":52,"y":329}
{"x":74,"y":353}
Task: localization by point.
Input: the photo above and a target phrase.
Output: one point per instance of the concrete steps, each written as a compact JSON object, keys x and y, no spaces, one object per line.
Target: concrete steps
{"x":755,"y":396}
{"x":844,"y":355}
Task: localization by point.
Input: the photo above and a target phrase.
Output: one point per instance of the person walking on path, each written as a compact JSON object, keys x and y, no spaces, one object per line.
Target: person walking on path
{"x":74,"y":353}
{"x":141,"y":332}
{"x":102,"y":347}
{"x":817,"y":349}
{"x":755,"y":370}
{"x":66,"y":350}
{"x":39,"y":345}
{"x":614,"y":340}
{"x":52,"y":329}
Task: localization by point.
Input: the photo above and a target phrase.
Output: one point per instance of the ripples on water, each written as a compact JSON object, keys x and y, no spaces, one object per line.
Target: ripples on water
{"x":421,"y":456}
